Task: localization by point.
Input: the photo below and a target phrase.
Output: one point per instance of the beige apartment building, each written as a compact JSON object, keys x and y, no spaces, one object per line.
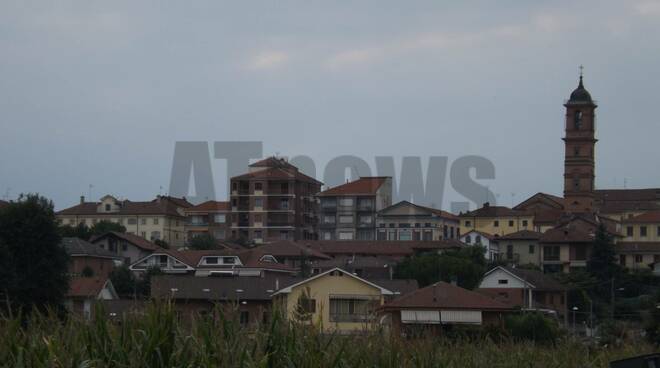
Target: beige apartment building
{"x":160,"y":219}
{"x":496,"y":220}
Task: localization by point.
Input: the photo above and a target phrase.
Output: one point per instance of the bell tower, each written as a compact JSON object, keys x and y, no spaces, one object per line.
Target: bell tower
{"x":579,"y":142}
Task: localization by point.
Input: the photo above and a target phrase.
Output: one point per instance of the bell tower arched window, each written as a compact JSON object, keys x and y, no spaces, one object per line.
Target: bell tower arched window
{"x":577,"y":120}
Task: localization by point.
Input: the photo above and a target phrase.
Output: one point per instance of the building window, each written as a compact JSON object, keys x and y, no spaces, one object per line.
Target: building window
{"x":510,"y":223}
{"x":327,"y":235}
{"x":328,"y":219}
{"x":524,"y":223}
{"x":576,"y":151}
{"x":143,"y":221}
{"x":211,"y":260}
{"x":345,"y":235}
{"x":551,"y":253}
{"x":391,"y":235}
{"x":428,"y":235}
{"x":156,"y":221}
{"x":366,"y":219}
{"x":345,"y":219}
{"x":477,"y":240}
{"x":155,"y":235}
{"x":258,"y":218}
{"x":468,"y":223}
{"x":622,"y":259}
{"x":219,"y":234}
{"x":417,"y":224}
{"x":219,"y":218}
{"x":577,"y":119}
{"x":284,"y":235}
{"x":532,"y":249}
{"x":404,"y":225}
{"x":405,"y":235}
{"x":196,"y":220}
{"x":245,"y":318}
{"x":658,"y":231}
{"x":284,"y":204}
{"x":468,"y":239}
{"x":306,"y":305}
{"x":346,"y":202}
{"x":629,"y":231}
{"x":496,"y":223}
{"x":451,"y":232}
{"x":642,"y":231}
{"x":445,"y":232}
{"x":259,"y":202}
{"x":382,"y":235}
{"x":108,"y":208}
{"x":257,"y":234}
{"x":143,"y":234}
{"x":638,"y":258}
{"x":258,"y":186}
{"x":503,"y":282}
{"x":350,"y":310}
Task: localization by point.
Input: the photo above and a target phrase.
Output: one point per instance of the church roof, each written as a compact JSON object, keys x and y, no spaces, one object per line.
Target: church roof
{"x":580,"y":95}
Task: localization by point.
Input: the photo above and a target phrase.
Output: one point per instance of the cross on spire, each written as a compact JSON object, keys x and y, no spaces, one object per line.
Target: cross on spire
{"x":581,"y":67}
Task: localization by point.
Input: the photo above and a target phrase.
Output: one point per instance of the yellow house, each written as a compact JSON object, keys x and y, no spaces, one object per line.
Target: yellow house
{"x":334,"y":301}
{"x":496,"y":220}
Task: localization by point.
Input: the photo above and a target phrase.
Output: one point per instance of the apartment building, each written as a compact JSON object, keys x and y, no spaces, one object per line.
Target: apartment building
{"x":160,"y":219}
{"x":409,"y":221}
{"x":209,"y":218}
{"x":348,"y":211}
{"x":496,"y":220}
{"x":274,"y":201}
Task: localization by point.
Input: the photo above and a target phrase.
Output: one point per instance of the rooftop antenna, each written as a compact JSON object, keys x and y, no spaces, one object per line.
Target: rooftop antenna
{"x":160,"y":190}
{"x":90,"y":190}
{"x":581,"y":67}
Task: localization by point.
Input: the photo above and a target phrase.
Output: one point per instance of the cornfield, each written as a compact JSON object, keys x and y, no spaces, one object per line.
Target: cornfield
{"x":157,"y":338}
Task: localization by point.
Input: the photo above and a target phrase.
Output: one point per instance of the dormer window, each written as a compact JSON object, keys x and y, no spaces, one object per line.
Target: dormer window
{"x":211,"y":260}
{"x":268,"y":258}
{"x":577,"y":120}
{"x":229,"y":260}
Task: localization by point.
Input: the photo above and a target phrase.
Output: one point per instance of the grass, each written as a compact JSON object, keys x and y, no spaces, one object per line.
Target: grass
{"x":158,"y":339}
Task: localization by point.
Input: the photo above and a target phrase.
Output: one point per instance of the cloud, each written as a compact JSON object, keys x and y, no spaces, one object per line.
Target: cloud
{"x":268,"y":60}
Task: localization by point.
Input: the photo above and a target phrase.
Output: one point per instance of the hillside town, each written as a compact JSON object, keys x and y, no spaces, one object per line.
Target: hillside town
{"x":339,"y":255}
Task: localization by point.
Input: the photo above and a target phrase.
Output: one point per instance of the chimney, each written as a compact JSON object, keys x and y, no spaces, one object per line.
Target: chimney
{"x":82,"y":199}
{"x":486,"y":204}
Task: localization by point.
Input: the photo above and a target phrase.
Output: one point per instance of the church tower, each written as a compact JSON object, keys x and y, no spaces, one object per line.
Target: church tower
{"x":580,"y":142}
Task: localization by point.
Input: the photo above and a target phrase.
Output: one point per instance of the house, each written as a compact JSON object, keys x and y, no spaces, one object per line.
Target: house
{"x":84,"y":292}
{"x":274,"y":201}
{"x":85,"y":257}
{"x":409,"y":221}
{"x":249,"y":298}
{"x":621,"y":204}
{"x":526,"y":289}
{"x":568,"y":245}
{"x":636,"y":255}
{"x":547,"y":210}
{"x":496,"y":220}
{"x":442,"y":305}
{"x":334,"y":301}
{"x":129,"y":247}
{"x":291,"y":253}
{"x":218,"y":263}
{"x":160,"y":219}
{"x":209,"y":218}
{"x":487,"y":241}
{"x":348,"y":211}
{"x":520,"y":248}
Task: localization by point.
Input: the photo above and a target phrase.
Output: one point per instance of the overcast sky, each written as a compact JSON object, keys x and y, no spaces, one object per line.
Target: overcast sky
{"x":98,"y":92}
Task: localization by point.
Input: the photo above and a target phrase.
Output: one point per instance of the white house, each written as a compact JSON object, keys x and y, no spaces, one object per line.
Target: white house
{"x":489,"y":242}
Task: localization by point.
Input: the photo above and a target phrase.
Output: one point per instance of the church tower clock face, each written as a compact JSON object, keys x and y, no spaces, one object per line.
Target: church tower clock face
{"x":580,"y":141}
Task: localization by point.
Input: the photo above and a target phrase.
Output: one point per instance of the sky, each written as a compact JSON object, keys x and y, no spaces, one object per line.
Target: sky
{"x":98,"y":92}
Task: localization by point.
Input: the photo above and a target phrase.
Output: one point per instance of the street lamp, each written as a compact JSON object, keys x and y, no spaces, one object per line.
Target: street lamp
{"x":575,"y":309}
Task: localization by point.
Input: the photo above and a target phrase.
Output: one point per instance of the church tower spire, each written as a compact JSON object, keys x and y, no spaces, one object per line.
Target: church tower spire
{"x":580,"y":143}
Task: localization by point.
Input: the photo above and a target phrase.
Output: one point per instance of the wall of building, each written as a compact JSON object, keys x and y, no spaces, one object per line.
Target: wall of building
{"x":487,"y":224}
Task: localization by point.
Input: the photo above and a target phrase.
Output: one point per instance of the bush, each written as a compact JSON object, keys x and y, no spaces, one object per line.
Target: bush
{"x":532,"y":327}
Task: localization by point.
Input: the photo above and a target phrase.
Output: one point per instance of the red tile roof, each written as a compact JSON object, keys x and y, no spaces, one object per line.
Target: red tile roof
{"x":291,"y":249}
{"x":556,"y":201}
{"x":363,"y":186}
{"x":649,"y":194}
{"x":442,"y":295}
{"x":494,"y":211}
{"x":138,"y":241}
{"x":522,"y":235}
{"x":160,"y":206}
{"x":86,"y":287}
{"x":273,"y":161}
{"x":651,"y":217}
{"x":277,"y":173}
{"x":435,"y":211}
{"x":210,"y":206}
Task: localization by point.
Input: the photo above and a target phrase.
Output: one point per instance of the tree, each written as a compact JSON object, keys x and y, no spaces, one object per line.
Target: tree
{"x":466,"y":266}
{"x":202,"y":242}
{"x":80,"y":231}
{"x":602,"y":261}
{"x":143,"y":285}
{"x":162,"y":243}
{"x":33,"y":263}
{"x":124,"y":281}
{"x":105,"y":226}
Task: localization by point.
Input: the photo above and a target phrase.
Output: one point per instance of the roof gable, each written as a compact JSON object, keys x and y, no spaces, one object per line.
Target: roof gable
{"x":442,"y":295}
{"x":288,"y":289}
{"x":362,"y":186}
